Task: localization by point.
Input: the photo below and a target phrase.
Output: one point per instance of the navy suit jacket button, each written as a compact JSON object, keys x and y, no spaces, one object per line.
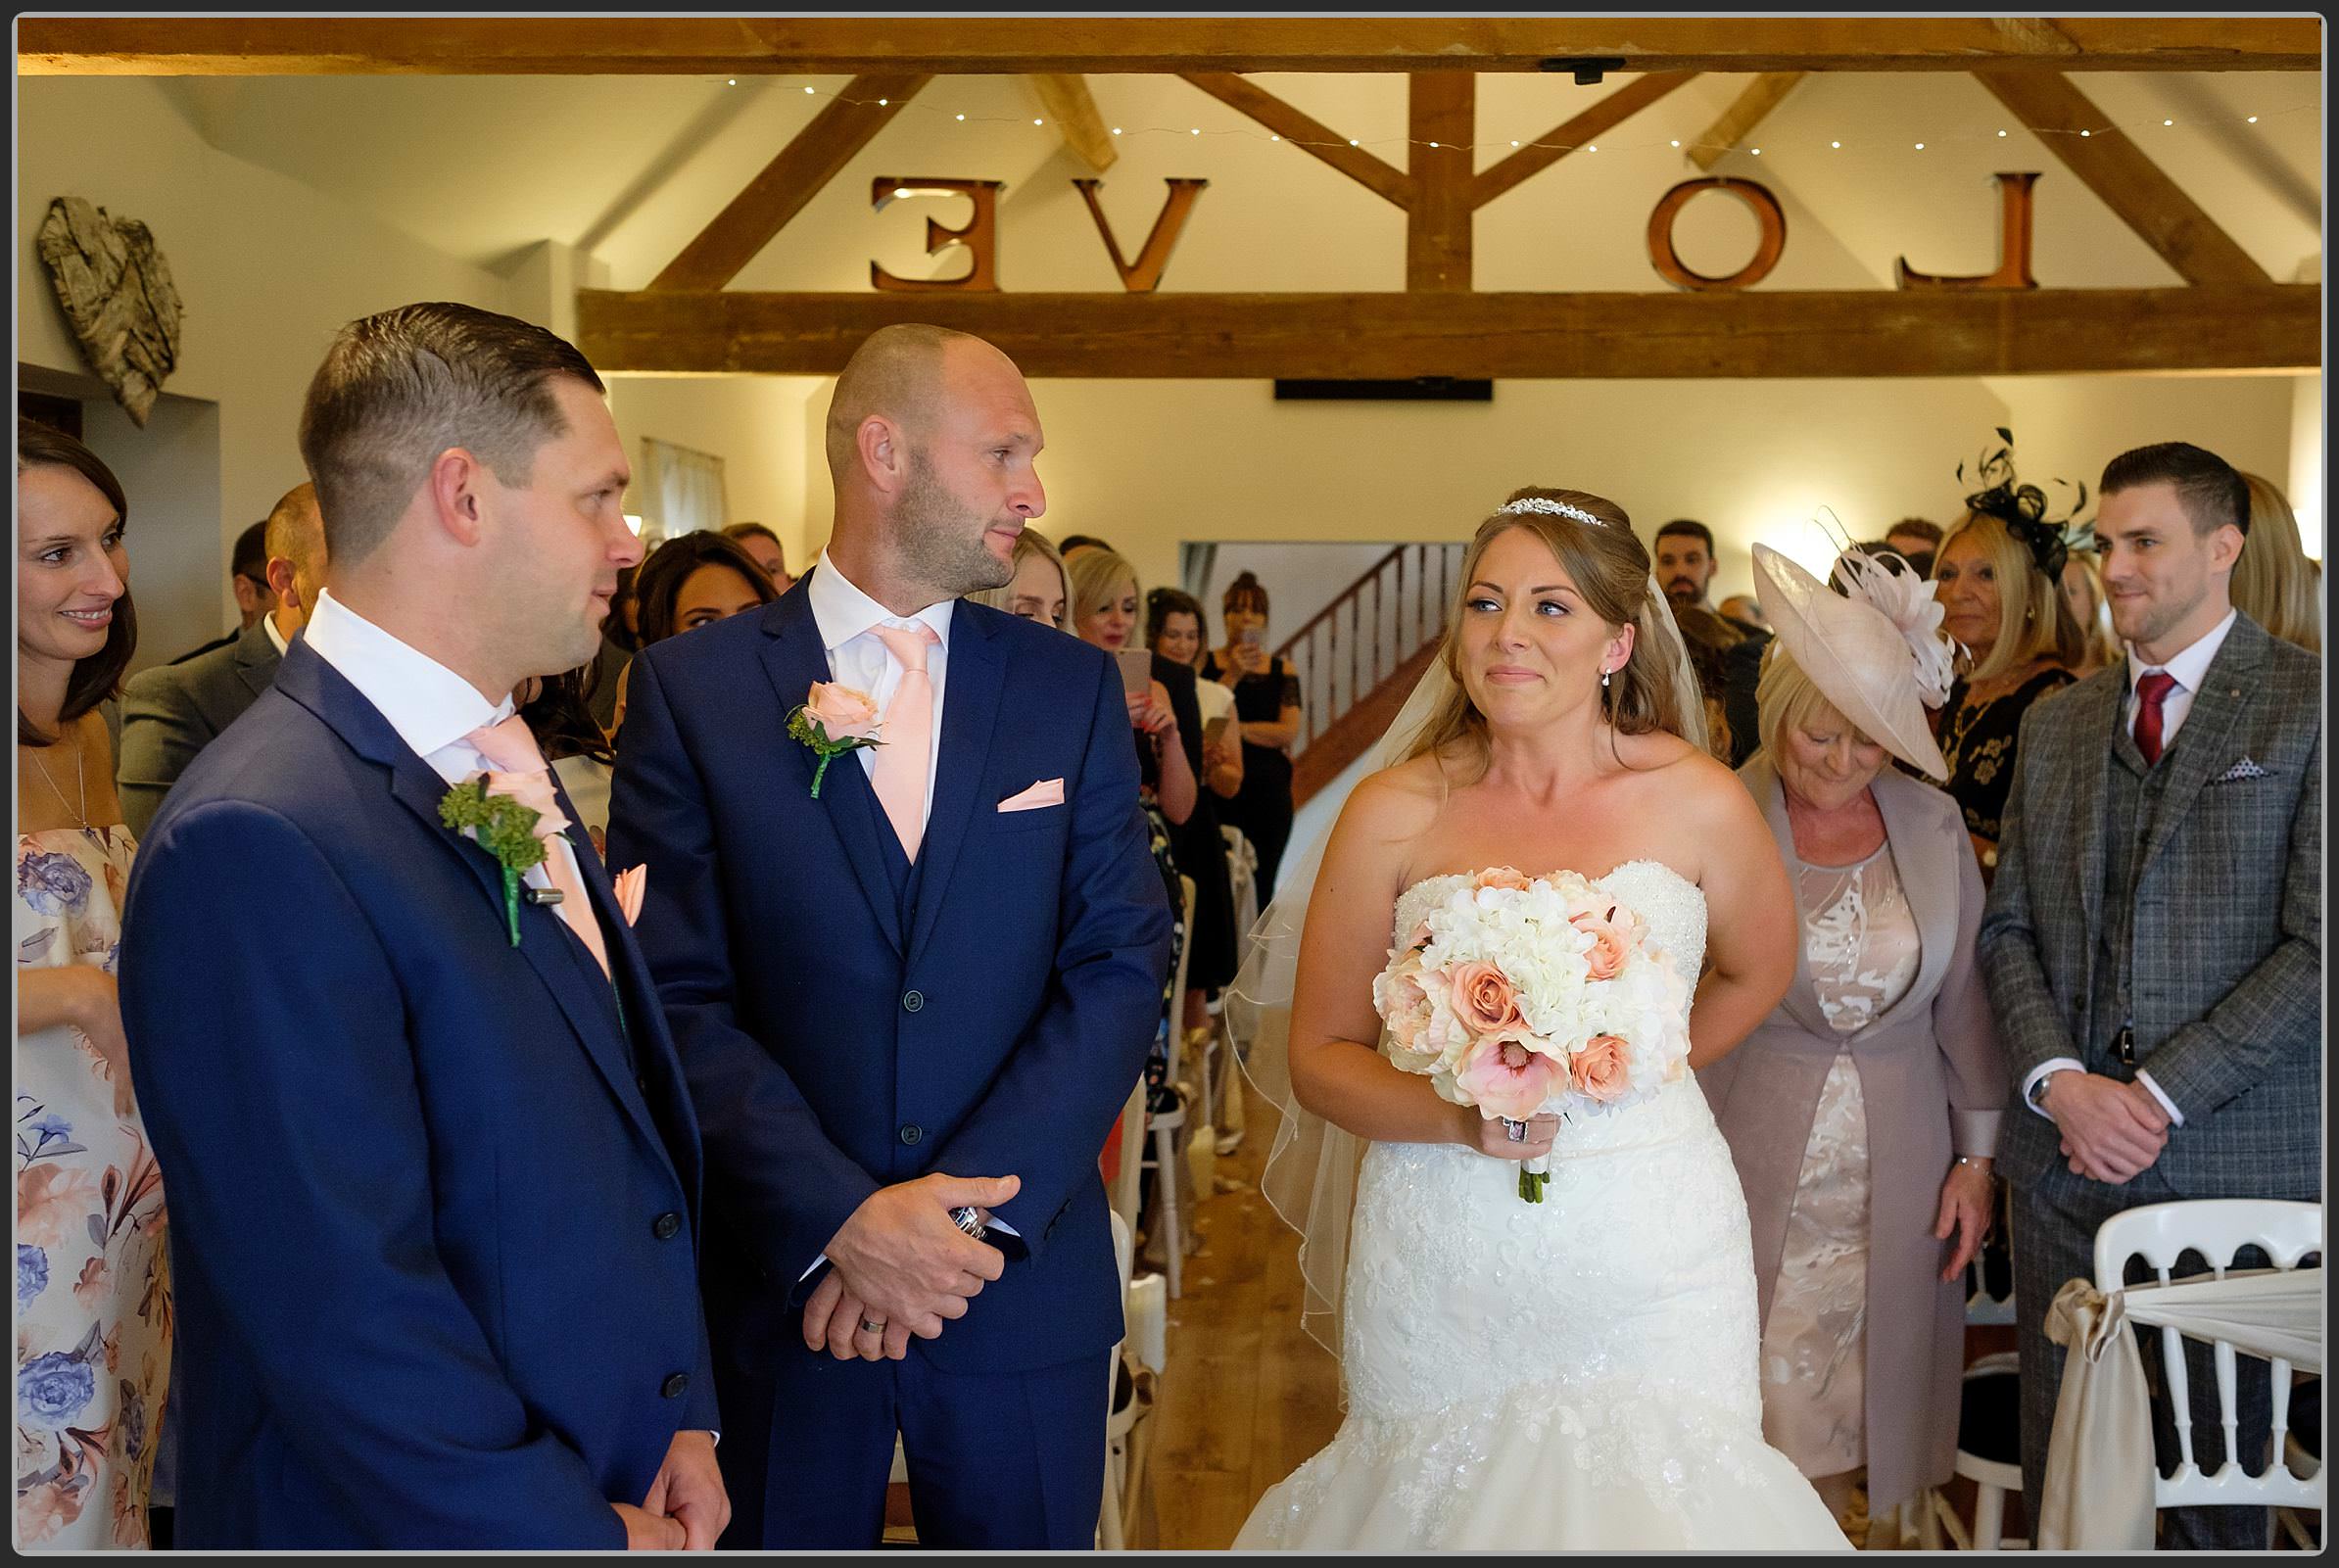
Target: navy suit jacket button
{"x":911,"y":1132}
{"x":673,"y":1387}
{"x":666,"y":1226}
{"x":911,"y":1001}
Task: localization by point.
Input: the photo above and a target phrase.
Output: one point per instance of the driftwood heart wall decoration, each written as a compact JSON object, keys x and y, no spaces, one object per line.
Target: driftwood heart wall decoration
{"x":117,"y":292}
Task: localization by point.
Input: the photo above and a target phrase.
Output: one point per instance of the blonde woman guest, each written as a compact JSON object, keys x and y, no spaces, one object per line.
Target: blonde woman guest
{"x":1863,"y":1113}
{"x":1104,"y":614}
{"x":1039,"y":591}
{"x":1998,"y":574}
{"x":93,"y":1290}
{"x":2082,"y":586}
{"x":2275,"y":584}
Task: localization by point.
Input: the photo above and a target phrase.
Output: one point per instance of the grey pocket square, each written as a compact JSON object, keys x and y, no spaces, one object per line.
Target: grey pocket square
{"x":2244,"y":769}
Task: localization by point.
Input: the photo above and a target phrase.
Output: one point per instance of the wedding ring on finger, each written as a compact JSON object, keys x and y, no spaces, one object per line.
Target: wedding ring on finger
{"x":1515,"y":1131}
{"x":867,"y":1327}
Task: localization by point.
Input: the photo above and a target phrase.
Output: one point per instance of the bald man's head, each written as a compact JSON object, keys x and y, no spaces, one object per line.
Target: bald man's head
{"x":296,"y":545}
{"x":900,"y":372}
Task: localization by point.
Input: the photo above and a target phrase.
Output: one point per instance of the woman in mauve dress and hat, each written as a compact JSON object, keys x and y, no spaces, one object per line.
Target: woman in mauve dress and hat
{"x":1863,"y":1114}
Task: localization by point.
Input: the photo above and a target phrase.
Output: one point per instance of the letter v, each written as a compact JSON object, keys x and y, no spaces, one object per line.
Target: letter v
{"x":1146,"y":274}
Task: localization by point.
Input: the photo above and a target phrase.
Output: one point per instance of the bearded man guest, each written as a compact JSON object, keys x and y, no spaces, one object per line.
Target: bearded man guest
{"x":912,"y":984}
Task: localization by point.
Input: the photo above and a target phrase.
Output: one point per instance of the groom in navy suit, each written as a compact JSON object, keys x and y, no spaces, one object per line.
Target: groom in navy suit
{"x":910,"y":1005}
{"x":431,"y":1167}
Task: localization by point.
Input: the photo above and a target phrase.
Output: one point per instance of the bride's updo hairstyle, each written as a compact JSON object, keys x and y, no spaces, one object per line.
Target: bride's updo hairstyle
{"x":1609,"y":566}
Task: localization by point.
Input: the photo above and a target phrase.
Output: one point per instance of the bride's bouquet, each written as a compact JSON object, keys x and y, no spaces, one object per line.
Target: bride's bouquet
{"x":1525,"y":995}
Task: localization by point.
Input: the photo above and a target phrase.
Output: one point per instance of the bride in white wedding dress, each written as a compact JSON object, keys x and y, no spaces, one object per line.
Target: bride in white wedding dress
{"x":1578,"y":1374}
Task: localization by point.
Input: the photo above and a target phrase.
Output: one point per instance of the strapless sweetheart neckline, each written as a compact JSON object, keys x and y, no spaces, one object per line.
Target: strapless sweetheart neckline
{"x":1620,"y":866}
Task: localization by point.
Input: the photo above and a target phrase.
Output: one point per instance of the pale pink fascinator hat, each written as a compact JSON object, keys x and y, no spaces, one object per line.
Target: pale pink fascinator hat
{"x":1878,"y":653}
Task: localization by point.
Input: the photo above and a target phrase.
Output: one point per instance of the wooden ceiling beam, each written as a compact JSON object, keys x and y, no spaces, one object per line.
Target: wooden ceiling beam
{"x":1071,"y":109}
{"x":237,"y":46}
{"x":813,"y":158}
{"x":1736,"y":123}
{"x":1441,"y":124}
{"x":2130,"y":184}
{"x":1871,"y":332}
{"x":1309,"y":135}
{"x":1597,"y":120}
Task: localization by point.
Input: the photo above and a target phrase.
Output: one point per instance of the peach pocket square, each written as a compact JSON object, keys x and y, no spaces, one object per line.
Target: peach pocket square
{"x":1046,"y":792}
{"x":631,"y":885}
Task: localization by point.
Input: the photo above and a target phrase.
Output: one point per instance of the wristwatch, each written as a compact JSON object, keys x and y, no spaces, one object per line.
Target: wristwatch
{"x":967,"y":1220}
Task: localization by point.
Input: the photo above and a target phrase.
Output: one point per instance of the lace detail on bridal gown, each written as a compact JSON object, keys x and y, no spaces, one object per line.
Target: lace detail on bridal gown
{"x":1576,"y":1373}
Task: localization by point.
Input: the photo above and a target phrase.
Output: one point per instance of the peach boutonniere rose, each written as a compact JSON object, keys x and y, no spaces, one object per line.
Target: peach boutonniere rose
{"x":834,"y":720}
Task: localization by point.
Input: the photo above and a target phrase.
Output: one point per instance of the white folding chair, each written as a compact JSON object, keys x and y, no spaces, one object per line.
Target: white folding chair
{"x":2217,"y":1228}
{"x":1162,"y":1126}
{"x":1126,"y":1435}
{"x":1989,"y":1454}
{"x":1126,"y":1190}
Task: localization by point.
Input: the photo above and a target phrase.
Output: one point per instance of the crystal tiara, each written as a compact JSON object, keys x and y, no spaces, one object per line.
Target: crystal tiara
{"x":1556,"y":508}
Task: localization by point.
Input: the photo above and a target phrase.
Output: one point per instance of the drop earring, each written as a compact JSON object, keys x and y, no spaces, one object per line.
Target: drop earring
{"x":1603,"y":679}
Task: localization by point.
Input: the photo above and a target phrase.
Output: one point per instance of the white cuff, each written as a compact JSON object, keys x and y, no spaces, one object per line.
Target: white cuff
{"x":816,"y":1262}
{"x":2038,"y":1075}
{"x":2176,"y":1117}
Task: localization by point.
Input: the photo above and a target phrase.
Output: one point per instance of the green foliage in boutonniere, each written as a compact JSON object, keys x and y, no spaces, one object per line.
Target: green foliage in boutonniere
{"x":833,"y":721}
{"x":502,"y":827}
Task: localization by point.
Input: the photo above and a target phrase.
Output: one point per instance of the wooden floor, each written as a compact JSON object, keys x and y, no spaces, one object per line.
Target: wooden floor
{"x":1246,"y":1395}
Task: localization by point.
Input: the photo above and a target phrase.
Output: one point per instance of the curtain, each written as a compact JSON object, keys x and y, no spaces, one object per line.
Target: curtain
{"x":679,"y":490}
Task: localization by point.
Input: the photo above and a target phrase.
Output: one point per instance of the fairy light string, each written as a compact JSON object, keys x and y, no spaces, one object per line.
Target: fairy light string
{"x":2139,"y":128}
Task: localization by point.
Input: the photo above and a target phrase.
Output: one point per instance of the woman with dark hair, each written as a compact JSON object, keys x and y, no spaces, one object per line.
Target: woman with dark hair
{"x":93,"y":1290}
{"x":620,"y":642}
{"x":1266,"y":697}
{"x":557,"y":712}
{"x":2000,"y":571}
{"x":1198,"y":842}
{"x":691,"y":581}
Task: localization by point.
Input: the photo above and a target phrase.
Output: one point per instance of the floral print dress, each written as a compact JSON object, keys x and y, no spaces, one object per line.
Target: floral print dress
{"x":93,"y":1292}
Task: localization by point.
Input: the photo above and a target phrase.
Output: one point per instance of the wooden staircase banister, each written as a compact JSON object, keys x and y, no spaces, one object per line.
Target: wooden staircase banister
{"x":1353,"y":732}
{"x":1284,"y":648}
{"x":1350,"y":696}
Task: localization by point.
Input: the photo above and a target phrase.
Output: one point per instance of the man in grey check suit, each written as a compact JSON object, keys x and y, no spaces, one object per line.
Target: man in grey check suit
{"x":2153,"y":942}
{"x":172,"y":712}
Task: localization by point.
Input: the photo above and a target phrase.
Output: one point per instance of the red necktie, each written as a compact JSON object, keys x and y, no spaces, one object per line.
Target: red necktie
{"x":2152,"y":689}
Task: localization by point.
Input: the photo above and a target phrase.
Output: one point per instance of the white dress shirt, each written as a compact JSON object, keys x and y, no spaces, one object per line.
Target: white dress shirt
{"x":432,"y":709}
{"x":277,"y":634}
{"x":859,"y":658}
{"x":2188,"y":668}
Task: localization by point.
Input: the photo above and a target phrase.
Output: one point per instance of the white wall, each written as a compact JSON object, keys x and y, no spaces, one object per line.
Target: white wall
{"x":267,"y":269}
{"x":755,"y":423}
{"x":174,"y":559}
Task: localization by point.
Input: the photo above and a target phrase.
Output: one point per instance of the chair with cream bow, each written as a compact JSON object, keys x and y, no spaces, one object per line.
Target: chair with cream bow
{"x":1162,"y":1126}
{"x":2102,"y":1484}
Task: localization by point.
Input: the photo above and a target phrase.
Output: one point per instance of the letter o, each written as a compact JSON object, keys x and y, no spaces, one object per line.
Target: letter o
{"x":1768,"y":247}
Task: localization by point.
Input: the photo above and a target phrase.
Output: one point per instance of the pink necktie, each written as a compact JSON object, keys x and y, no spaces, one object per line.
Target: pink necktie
{"x":2152,"y":691}
{"x":521,"y":773}
{"x":899,"y":774}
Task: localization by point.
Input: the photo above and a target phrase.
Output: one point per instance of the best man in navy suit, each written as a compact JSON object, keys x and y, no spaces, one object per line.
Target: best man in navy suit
{"x":432,"y":1170}
{"x":923,"y":995}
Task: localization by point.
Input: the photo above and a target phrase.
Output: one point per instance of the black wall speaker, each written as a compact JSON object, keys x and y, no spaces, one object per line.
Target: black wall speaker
{"x":1417,"y":389}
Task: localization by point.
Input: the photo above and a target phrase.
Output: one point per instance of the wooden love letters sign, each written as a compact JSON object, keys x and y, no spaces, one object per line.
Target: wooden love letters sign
{"x":980,"y":236}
